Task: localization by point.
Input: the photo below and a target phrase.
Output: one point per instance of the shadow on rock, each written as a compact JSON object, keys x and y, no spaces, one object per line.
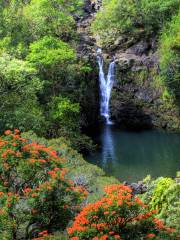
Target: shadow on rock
{"x":131,"y":117}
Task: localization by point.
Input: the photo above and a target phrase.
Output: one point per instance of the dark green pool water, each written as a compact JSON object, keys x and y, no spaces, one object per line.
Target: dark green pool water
{"x":132,"y":156}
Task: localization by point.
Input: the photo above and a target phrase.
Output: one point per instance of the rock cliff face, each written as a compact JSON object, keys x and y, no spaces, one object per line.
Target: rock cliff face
{"x":137,"y":100}
{"x":86,"y":51}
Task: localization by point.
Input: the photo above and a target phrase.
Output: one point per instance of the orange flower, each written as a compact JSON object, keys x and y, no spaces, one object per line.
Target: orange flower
{"x":106,"y":213}
{"x":7,"y":152}
{"x":119,"y":202}
{"x":2,"y":144}
{"x":138,"y":201}
{"x":43,"y":233}
{"x":105,"y":237}
{"x":16,"y":137}
{"x":150,"y":235}
{"x":63,"y":173}
{"x":10,"y":194}
{"x":17,"y":131}
{"x":159,"y":223}
{"x":56,"y":169}
{"x":8,"y":132}
{"x":70,"y":231}
{"x":42,"y":161}
{"x":117,"y":237}
{"x":34,"y":195}
{"x":27,"y":190}
{"x":1,"y":194}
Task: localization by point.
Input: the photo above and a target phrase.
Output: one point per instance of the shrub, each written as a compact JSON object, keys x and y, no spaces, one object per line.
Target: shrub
{"x":35,"y":192}
{"x":163,"y":195}
{"x":65,"y":113}
{"x":118,"y":215}
{"x":19,"y":86}
{"x":159,"y":198}
{"x":49,"y":52}
{"x":170,"y":55}
{"x":51,"y":17}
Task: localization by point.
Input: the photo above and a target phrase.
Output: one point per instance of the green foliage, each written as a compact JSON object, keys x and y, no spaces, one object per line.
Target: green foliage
{"x":166,"y":95}
{"x":51,"y":17}
{"x":53,"y":58}
{"x":18,"y":88}
{"x":159,"y":198}
{"x":34,"y":188}
{"x":38,"y":36}
{"x":64,"y":120}
{"x":26,"y":21}
{"x":157,"y":12}
{"x":163,"y":195}
{"x":57,"y":237}
{"x":170,"y":56}
{"x":49,"y":51}
{"x":65,"y":113}
{"x":132,"y":17}
{"x":15,"y":28}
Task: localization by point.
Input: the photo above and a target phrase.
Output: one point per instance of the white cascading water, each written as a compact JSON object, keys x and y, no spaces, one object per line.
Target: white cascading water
{"x":106,"y":85}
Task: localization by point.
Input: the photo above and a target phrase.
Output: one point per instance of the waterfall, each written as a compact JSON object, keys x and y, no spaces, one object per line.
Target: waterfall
{"x":106,"y":84}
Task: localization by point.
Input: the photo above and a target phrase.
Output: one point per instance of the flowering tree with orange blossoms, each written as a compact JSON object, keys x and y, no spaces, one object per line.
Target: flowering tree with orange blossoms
{"x":118,"y":215}
{"x":34,"y":188}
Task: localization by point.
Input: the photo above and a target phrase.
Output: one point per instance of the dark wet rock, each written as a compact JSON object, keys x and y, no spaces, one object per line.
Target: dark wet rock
{"x":86,"y":52}
{"x":139,"y":49}
{"x":144,"y":95}
{"x":131,"y":117}
{"x":124,"y":62}
{"x":85,"y":39}
{"x":96,"y":5}
{"x":119,"y":42}
{"x":138,"y":188}
{"x":125,"y":183}
{"x":92,"y":6}
{"x":87,"y":6}
{"x":151,"y":61}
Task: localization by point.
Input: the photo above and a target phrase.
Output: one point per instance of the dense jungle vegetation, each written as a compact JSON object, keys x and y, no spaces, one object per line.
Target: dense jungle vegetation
{"x":40,"y":70}
{"x":47,"y":190}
